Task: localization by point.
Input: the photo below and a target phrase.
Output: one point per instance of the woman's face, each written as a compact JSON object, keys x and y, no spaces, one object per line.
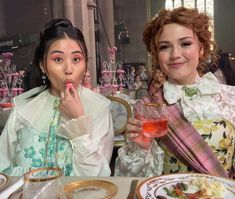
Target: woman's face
{"x":87,"y":79}
{"x":65,"y":63}
{"x":178,"y":53}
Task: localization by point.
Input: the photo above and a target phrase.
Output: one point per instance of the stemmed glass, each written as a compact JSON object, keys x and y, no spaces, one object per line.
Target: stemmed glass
{"x":43,"y":183}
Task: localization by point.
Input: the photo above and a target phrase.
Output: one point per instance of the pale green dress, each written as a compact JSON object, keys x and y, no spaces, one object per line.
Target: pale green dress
{"x":37,"y":136}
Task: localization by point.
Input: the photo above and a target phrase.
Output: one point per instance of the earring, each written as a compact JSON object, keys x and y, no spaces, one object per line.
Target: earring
{"x":44,"y":78}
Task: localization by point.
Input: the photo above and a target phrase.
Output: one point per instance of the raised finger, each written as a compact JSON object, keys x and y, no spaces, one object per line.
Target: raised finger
{"x":135,"y":122}
{"x":62,"y":95}
{"x":131,"y":134}
{"x":67,"y":92}
{"x":73,"y":91}
{"x":133,"y":128}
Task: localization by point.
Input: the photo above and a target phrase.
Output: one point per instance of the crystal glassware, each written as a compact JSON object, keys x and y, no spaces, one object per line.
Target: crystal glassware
{"x":155,"y":120}
{"x":43,"y":183}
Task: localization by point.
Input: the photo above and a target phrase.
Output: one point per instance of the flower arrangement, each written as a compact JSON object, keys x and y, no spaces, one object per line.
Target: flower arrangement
{"x":10,"y":80}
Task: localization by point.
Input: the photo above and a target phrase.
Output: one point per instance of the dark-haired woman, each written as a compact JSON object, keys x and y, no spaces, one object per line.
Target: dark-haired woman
{"x":225,"y":72}
{"x":59,"y":123}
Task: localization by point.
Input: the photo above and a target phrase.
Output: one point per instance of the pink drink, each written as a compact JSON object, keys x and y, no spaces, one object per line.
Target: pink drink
{"x":155,"y":127}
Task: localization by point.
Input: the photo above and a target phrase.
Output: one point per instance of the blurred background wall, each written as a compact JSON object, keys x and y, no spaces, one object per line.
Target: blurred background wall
{"x":105,"y":23}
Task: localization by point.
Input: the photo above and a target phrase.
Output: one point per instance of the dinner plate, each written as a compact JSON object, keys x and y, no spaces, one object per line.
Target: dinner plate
{"x":3,"y":180}
{"x":87,"y":189}
{"x":17,"y":194}
{"x":156,"y":186}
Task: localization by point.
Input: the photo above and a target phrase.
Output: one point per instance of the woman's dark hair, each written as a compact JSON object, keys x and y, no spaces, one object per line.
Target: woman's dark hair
{"x":227,"y":68}
{"x":53,"y":31}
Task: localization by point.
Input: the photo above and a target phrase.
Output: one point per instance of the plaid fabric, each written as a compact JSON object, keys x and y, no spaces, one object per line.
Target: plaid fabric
{"x":185,"y":142}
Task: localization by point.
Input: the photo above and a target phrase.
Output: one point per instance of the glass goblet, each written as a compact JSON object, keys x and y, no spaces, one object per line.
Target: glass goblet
{"x":43,"y":183}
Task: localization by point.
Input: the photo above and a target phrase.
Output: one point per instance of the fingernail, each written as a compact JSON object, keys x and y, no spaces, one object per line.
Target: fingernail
{"x":133,"y":135}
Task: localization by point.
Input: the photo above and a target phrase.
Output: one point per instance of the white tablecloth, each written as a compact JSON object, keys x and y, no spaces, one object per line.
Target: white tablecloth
{"x":123,"y":183}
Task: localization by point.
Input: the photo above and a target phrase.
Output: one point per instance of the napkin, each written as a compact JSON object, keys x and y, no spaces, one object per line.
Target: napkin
{"x":8,"y":191}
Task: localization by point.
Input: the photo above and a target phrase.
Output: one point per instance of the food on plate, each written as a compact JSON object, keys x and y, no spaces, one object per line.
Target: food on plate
{"x":204,"y":190}
{"x":213,"y":188}
{"x":161,"y":197}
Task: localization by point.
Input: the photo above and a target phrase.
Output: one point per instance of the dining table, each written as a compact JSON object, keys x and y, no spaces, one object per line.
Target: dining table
{"x":147,"y":187}
{"x":123,"y":183}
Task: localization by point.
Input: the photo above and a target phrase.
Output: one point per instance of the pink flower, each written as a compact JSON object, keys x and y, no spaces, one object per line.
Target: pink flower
{"x":112,"y":50}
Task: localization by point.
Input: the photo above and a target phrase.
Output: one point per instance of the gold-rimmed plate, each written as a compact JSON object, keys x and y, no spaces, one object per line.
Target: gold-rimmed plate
{"x":86,"y":189}
{"x":156,"y":186}
{"x":3,"y":180}
{"x":17,"y":194}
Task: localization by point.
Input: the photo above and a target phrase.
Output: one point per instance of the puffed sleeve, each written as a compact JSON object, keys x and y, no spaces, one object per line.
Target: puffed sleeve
{"x":91,"y":137}
{"x":7,"y":142}
{"x":132,"y":160}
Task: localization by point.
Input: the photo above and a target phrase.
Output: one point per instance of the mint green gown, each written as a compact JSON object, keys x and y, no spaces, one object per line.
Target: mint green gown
{"x":36,"y":136}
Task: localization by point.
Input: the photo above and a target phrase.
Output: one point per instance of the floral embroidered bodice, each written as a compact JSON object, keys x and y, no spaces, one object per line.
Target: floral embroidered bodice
{"x":43,"y":149}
